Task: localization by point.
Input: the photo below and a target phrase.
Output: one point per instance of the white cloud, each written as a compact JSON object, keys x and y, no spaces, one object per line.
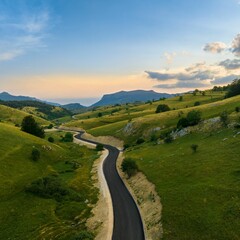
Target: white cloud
{"x":215,"y":47}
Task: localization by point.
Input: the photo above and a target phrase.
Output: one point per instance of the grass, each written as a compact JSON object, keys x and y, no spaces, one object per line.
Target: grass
{"x":27,"y":216}
{"x":200,"y":191}
{"x":15,"y":116}
{"x":144,"y":126}
{"x":113,"y":114}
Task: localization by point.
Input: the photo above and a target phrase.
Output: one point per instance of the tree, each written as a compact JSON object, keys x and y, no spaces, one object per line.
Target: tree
{"x":99,"y":147}
{"x":182,"y":123}
{"x":180,"y":99}
{"x":162,"y":108}
{"x":68,"y":137}
{"x":140,"y":141}
{"x":237,"y":109}
{"x":29,"y":125}
{"x":196,"y":104}
{"x":35,"y":154}
{"x":194,"y":147}
{"x":234,"y":88}
{"x":193,"y":117}
{"x":100,"y":114}
{"x":129,"y":166}
{"x":51,"y":139}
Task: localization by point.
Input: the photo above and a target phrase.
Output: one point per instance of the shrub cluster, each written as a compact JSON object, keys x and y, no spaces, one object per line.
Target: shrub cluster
{"x":68,"y":137}
{"x":29,"y":125}
{"x":51,"y":187}
{"x":162,"y":108}
{"x":193,"y":118}
{"x":129,"y":166}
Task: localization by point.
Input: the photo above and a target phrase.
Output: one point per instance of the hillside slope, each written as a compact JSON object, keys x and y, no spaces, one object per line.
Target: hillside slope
{"x":15,"y":116}
{"x":38,"y":215}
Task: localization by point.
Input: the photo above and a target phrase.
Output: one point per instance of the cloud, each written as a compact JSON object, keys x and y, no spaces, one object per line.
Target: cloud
{"x":230,"y":64}
{"x":235,"y":48}
{"x":224,"y":80}
{"x":22,"y":33}
{"x":215,"y":47}
{"x":199,"y":71}
{"x":183,"y":84}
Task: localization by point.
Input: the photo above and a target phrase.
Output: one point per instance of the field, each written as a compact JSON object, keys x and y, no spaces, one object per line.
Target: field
{"x":200,"y":191}
{"x":146,"y":125}
{"x":28,"y":215}
{"x":15,"y":116}
{"x":128,"y":112}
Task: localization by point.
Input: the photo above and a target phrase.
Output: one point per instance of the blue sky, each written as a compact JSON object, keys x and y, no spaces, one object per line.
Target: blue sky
{"x":67,"y":49}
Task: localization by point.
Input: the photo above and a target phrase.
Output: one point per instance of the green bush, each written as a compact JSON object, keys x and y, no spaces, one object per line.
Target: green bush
{"x":35,"y":154}
{"x":182,"y":123}
{"x":68,"y":137}
{"x":84,"y":235}
{"x":193,"y":117}
{"x":29,"y":125}
{"x":168,"y":139}
{"x":51,"y":139}
{"x":162,"y":108}
{"x":237,"y":109}
{"x":51,"y":187}
{"x":196,"y":104}
{"x":129,"y":166}
{"x":140,"y":141}
{"x":99,"y":147}
{"x":194,"y":147}
{"x":50,"y":126}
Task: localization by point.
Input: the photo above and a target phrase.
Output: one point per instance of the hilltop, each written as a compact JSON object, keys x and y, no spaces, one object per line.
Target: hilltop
{"x":130,"y":97}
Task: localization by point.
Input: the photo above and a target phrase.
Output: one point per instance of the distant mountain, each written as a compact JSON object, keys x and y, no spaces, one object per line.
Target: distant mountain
{"x":130,"y":97}
{"x":5,"y":96}
{"x":73,"y":106}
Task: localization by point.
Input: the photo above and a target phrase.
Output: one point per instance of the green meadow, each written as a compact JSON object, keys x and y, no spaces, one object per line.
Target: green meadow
{"x":27,"y":215}
{"x":200,"y":192}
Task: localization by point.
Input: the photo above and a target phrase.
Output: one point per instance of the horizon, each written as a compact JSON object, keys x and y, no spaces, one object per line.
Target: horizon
{"x":83,"y":50}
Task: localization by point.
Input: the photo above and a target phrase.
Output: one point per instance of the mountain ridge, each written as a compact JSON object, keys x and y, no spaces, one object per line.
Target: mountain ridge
{"x":123,"y":97}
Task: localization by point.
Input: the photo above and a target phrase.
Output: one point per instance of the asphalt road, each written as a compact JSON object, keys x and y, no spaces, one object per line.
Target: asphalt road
{"x":127,"y":220}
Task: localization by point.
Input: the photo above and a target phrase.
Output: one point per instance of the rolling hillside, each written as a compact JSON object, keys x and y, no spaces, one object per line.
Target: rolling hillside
{"x":38,"y":108}
{"x":199,"y":190}
{"x":29,"y":212}
{"x":15,"y":116}
{"x":131,"y":121}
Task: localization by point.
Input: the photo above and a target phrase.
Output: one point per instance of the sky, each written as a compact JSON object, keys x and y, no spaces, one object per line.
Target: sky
{"x":77,"y":50}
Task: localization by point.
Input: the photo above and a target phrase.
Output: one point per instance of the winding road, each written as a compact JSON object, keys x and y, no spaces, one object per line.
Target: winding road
{"x":127,"y":220}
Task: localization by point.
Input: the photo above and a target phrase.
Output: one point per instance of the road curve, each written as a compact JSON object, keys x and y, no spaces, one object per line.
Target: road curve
{"x":127,"y":220}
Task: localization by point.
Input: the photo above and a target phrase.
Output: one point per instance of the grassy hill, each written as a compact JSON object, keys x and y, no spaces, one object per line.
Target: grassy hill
{"x":38,"y":108}
{"x":199,"y":191}
{"x":62,"y":213}
{"x":15,"y":116}
{"x":142,"y":121}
